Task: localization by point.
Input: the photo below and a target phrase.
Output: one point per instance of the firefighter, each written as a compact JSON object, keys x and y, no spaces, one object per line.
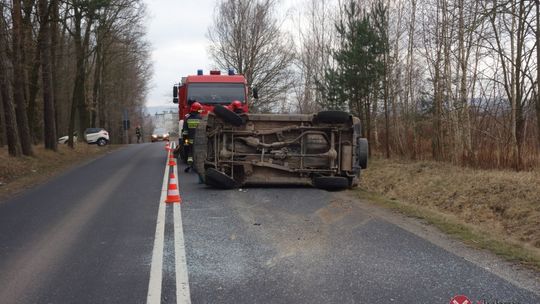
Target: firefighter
{"x":181,"y":142}
{"x":138,"y":133}
{"x":237,"y":107}
{"x":188,"y":131}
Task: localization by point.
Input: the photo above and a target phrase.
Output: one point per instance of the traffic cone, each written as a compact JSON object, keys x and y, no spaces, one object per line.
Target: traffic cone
{"x":173,"y":183}
{"x":172,"y":163}
{"x":173,"y":195}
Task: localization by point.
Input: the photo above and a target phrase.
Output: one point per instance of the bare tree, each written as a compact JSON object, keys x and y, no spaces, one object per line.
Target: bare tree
{"x":246,"y":36}
{"x":6,"y":93}
{"x":510,"y":31}
{"x":19,"y":79}
{"x":537,"y":6}
{"x":46,"y":76}
{"x":317,"y":33}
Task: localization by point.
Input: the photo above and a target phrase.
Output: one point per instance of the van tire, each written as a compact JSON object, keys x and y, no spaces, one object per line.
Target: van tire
{"x":332,"y":117}
{"x":331,"y":183}
{"x":363,"y":151}
{"x":228,"y":116}
{"x":219,"y":180}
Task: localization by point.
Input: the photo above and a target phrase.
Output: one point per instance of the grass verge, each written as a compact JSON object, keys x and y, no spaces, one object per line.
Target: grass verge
{"x":18,"y":174}
{"x":456,"y":201}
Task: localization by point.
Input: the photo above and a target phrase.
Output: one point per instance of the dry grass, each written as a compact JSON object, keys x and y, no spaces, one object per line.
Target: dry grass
{"x":503,"y":206}
{"x":17,"y":174}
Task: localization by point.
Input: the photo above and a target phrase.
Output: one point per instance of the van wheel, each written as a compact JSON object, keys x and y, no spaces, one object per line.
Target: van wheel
{"x":101,"y":142}
{"x":331,"y":183}
{"x":363,"y":151}
{"x":219,"y":180}
{"x":332,"y":117}
{"x":228,"y":116}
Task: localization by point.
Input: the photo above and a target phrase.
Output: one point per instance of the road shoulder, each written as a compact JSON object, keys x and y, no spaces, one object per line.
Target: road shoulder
{"x":20,"y":174}
{"x":517,"y":274}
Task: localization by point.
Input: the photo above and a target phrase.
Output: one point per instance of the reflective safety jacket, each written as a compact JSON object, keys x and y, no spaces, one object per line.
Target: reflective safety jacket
{"x":190,"y":126}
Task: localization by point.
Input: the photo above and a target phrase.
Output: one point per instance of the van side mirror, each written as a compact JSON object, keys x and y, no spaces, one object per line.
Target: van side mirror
{"x":175,"y":92}
{"x":175,"y":100}
{"x":255,"y":92}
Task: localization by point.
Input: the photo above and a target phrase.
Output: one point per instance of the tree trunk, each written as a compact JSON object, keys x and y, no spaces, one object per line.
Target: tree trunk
{"x":464,"y":120}
{"x":54,"y":56}
{"x":78,"y":94}
{"x":81,"y":53}
{"x":49,"y":123}
{"x":2,"y":123}
{"x":386,"y":114}
{"x":537,"y":3}
{"x":19,"y":80}
{"x":519,"y":113}
{"x":410,"y":102}
{"x":12,"y":134}
{"x":30,"y":55}
{"x":6,"y":94}
{"x":97,"y":81}
{"x":33,"y":117}
{"x":79,"y":90}
{"x":436,"y":143}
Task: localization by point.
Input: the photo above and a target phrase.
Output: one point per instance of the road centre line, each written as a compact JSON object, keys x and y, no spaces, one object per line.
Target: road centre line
{"x":182,"y":279}
{"x":156,"y":268}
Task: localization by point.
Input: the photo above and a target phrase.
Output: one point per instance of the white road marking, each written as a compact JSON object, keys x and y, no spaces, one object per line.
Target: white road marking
{"x":182,"y":279}
{"x":156,"y":269}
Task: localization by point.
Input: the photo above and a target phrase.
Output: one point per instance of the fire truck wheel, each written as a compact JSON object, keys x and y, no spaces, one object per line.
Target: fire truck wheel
{"x":331,"y":183}
{"x":219,"y":180}
{"x":331,"y":117}
{"x":228,"y":116}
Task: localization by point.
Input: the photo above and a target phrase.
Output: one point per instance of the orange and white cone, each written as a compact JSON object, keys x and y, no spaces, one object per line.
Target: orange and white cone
{"x":172,"y":163}
{"x":173,"y":195}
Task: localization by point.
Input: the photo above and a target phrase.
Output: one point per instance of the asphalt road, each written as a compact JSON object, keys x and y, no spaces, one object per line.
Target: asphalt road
{"x":99,"y":234}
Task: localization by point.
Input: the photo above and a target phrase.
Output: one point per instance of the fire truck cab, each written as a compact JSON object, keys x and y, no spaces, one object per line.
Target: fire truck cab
{"x":210,"y":90}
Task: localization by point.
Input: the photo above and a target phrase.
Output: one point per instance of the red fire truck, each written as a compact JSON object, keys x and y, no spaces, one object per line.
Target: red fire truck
{"x":210,"y":90}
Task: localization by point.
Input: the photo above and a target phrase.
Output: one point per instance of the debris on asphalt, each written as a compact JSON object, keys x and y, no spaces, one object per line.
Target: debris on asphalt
{"x":256,"y":224}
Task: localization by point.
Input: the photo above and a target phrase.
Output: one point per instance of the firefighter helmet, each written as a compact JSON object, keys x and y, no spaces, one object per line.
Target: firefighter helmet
{"x":236,"y":105}
{"x":196,"y":107}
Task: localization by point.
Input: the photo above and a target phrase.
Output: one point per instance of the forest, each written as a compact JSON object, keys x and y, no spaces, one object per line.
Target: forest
{"x":449,"y":80}
{"x":69,"y":65}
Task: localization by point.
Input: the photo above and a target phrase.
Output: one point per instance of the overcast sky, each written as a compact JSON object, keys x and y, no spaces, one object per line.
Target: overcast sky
{"x":177,"y":31}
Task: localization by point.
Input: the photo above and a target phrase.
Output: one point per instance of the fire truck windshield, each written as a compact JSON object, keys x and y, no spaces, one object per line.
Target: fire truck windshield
{"x":215,"y":93}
